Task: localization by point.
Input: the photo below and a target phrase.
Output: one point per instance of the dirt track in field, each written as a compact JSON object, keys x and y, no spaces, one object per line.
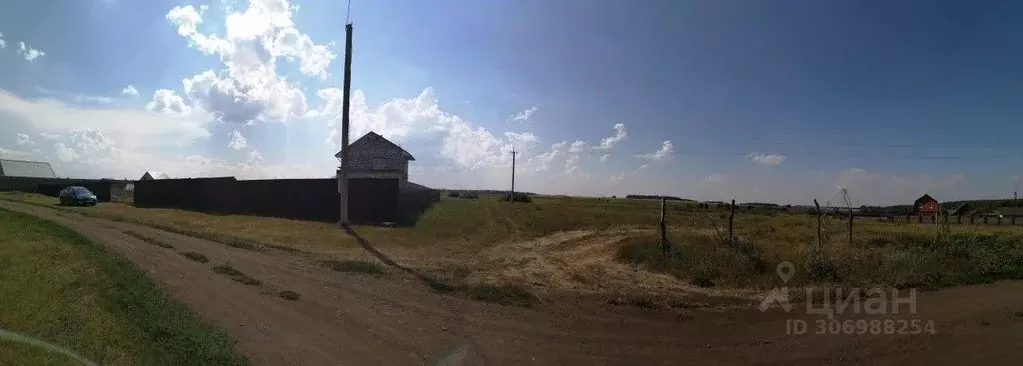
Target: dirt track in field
{"x":356,"y":319}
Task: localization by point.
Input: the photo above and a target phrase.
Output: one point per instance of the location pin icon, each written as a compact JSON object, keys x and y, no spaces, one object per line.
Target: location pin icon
{"x":785,"y":271}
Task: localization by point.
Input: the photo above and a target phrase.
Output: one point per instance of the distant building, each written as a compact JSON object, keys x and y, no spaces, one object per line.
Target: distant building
{"x":373,"y":156}
{"x":25,"y":168}
{"x":151,"y":175}
{"x":925,"y":205}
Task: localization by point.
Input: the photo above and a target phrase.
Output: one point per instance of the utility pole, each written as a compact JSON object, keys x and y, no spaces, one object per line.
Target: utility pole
{"x":343,"y":174}
{"x":512,"y":197}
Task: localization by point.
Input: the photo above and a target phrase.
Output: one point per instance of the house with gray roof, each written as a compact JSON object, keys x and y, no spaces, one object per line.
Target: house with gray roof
{"x":25,"y":168}
{"x":373,"y":156}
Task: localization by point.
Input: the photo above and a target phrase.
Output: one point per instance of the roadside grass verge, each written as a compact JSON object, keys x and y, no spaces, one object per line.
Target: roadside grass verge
{"x":150,"y":240}
{"x":890,"y":259}
{"x":61,"y":288}
{"x":195,"y":256}
{"x":356,"y":266}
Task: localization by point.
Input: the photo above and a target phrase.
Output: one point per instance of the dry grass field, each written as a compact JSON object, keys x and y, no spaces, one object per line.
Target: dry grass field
{"x":559,"y":244}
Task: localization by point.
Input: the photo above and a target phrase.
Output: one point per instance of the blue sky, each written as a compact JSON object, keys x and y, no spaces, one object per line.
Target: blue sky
{"x":782,"y":100}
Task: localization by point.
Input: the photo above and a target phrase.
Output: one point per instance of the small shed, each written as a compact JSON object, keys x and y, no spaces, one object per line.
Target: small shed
{"x":925,"y":205}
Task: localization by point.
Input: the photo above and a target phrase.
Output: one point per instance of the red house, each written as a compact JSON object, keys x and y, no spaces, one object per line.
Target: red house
{"x":925,"y":205}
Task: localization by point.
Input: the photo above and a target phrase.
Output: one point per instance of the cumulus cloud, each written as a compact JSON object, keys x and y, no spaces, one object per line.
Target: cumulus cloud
{"x":610,"y":142}
{"x":523,"y":116}
{"x":24,"y":139}
{"x":130,"y":91}
{"x":28,"y":52}
{"x":666,"y":151}
{"x":577,"y":147}
{"x":249,"y":89}
{"x":168,"y":102}
{"x":238,"y":141}
{"x":768,"y":159}
{"x":712,"y":178}
{"x":3,"y":43}
{"x":604,"y":157}
{"x":615,"y":178}
{"x":64,"y":153}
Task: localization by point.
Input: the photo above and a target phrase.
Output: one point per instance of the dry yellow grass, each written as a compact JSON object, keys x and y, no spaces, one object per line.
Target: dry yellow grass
{"x":489,"y":241}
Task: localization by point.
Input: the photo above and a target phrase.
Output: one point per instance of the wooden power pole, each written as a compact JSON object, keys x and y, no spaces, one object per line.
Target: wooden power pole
{"x":343,"y":174}
{"x":512,"y":197}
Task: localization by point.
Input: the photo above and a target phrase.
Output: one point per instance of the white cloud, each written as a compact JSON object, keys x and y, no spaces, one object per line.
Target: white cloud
{"x":29,"y":53}
{"x":8,"y":153}
{"x":395,"y":119}
{"x":712,"y":178}
{"x":604,"y":157}
{"x":255,"y":156}
{"x":768,"y":159}
{"x":249,"y":88}
{"x":168,"y":102}
{"x":641,"y":167}
{"x":523,"y":116}
{"x":577,"y":147}
{"x":24,"y":139}
{"x":130,"y":91}
{"x":615,"y":178}
{"x":610,"y":142}
{"x":238,"y":141}
{"x":521,"y":142}
{"x":572,"y":164}
{"x":64,"y":153}
{"x":3,"y":43}
{"x":133,"y":128}
{"x":543,"y":161}
{"x":666,"y":151}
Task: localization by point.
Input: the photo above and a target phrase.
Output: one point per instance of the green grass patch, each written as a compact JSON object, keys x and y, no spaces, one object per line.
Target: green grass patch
{"x":236,"y":275}
{"x":196,"y":256}
{"x":246,"y":280}
{"x":58,"y":287}
{"x":289,"y":295}
{"x":148,"y":239}
{"x":355,"y":266}
{"x":227,"y":270}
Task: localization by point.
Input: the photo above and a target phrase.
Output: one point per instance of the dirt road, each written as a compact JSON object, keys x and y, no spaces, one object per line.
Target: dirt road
{"x":355,"y":319}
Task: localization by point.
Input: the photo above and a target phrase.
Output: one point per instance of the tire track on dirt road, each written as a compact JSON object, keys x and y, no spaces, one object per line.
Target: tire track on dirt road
{"x":345,"y":318}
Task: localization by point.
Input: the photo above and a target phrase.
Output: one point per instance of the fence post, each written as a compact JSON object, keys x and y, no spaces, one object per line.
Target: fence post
{"x":819,"y":241}
{"x":1012,"y":219}
{"x":985,"y":219}
{"x":920,"y":218}
{"x":731,"y":220}
{"x":998,"y":221}
{"x":664,"y":233}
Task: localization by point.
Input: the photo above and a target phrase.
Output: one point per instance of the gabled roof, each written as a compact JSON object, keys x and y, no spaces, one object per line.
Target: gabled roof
{"x":371,"y":140}
{"x":154,"y":175}
{"x":925,"y":197}
{"x":25,"y":168}
{"x":963,"y":209}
